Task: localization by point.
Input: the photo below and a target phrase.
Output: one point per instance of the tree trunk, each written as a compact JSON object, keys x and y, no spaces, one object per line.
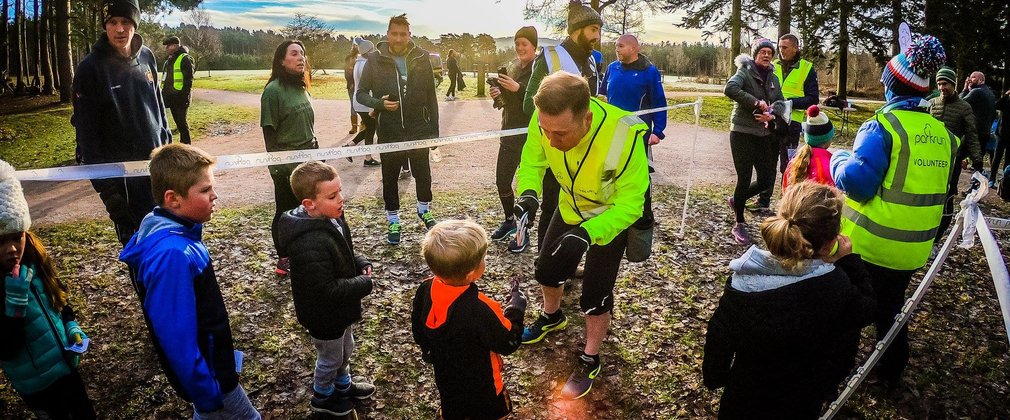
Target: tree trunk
{"x":5,"y":63}
{"x":734,"y":47}
{"x":898,"y":18}
{"x":786,"y":17}
{"x":843,"y":48}
{"x":44,"y":50}
{"x":66,"y":63}
{"x":36,"y":47}
{"x":19,"y":45}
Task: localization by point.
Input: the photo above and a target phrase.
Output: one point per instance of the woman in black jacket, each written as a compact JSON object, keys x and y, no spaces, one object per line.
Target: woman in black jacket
{"x":452,"y":68}
{"x":786,"y":331}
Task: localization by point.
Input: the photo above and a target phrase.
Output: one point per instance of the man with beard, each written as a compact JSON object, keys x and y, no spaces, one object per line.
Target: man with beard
{"x":119,"y":114}
{"x":957,"y":116}
{"x":574,"y":55}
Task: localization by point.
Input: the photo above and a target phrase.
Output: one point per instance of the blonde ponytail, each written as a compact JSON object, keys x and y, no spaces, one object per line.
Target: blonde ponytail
{"x":801,"y":168}
{"x":809,"y":216}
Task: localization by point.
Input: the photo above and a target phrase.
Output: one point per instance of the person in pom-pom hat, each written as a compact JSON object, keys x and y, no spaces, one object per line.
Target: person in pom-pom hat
{"x":812,"y":160}
{"x":895,"y":181}
{"x":958,"y":117}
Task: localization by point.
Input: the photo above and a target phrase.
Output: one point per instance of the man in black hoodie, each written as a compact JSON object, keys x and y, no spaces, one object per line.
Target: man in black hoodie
{"x":119,"y":114}
{"x":177,"y":87}
{"x":399,"y":84}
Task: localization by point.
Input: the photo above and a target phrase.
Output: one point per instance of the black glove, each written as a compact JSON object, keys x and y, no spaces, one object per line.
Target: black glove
{"x":565,"y":253}
{"x":525,"y":212}
{"x":516,"y":298}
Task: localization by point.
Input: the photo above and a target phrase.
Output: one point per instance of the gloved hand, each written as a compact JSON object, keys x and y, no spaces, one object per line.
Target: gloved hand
{"x":75,"y":335}
{"x":16,"y":285}
{"x":517,"y":299}
{"x":525,"y":212}
{"x":566,"y":252}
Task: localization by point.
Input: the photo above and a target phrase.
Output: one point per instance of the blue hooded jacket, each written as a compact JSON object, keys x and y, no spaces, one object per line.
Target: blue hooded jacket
{"x":183,"y":307}
{"x":634,"y":87}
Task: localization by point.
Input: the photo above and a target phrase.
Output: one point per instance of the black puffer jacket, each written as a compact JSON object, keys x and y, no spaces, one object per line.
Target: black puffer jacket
{"x":417,"y":117}
{"x":781,"y":344}
{"x":326,"y":281}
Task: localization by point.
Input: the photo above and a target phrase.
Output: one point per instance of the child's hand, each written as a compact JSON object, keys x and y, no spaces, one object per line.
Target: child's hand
{"x":16,"y":285}
{"x":841,"y":248}
{"x":74,"y":333}
{"x":367,"y":270}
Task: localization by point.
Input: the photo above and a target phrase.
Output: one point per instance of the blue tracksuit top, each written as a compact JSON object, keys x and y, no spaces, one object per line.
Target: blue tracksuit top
{"x":634,"y":87}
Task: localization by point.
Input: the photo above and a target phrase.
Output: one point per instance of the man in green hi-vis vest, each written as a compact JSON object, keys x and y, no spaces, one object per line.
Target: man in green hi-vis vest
{"x":895,"y":181}
{"x":799,"y":85}
{"x":177,"y":85}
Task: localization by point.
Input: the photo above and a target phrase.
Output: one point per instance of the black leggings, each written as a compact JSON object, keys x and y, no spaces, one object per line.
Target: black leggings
{"x":452,"y":85}
{"x":951,"y":200}
{"x":548,"y":206}
{"x":890,"y":287}
{"x":756,"y":153}
{"x":1002,"y":155}
{"x":420,"y":169}
{"x":67,"y":398}
{"x":602,"y":264}
{"x":510,"y":150}
{"x":368,"y":134}
{"x":284,"y":199}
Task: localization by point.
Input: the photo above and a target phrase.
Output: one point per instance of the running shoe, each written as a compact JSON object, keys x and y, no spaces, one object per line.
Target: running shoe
{"x":333,"y":404}
{"x":758,"y":206}
{"x":520,"y":242}
{"x":543,"y":325}
{"x":393,"y":234}
{"x":428,"y":219}
{"x":581,"y":380}
{"x":283,"y":266}
{"x":740,"y":234}
{"x":372,"y":162}
{"x":507,"y":228}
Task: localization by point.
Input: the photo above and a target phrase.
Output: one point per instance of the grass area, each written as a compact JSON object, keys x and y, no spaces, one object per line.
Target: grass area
{"x":45,"y":139}
{"x":652,"y":359}
{"x":717,"y":111}
{"x":324,"y":86}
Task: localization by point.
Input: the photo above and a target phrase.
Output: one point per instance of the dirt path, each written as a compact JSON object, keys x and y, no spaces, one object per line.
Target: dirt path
{"x":467,"y":166}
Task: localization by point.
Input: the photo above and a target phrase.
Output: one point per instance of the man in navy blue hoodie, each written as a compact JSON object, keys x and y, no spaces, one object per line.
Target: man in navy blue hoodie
{"x":178,"y":291}
{"x":119,"y":113}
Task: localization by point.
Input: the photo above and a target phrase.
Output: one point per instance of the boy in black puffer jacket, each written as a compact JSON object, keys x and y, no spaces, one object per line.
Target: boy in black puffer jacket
{"x":328,"y":281}
{"x":786,"y":331}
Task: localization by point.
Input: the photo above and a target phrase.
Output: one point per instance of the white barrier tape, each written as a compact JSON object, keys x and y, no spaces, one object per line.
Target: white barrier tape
{"x":997,"y":223}
{"x":249,"y":160}
{"x":998,"y":267}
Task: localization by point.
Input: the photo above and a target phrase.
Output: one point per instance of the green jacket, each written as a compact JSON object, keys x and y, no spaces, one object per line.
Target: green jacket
{"x":747,"y":87}
{"x":957,"y":115}
{"x":31,"y":353}
{"x":604,"y":201}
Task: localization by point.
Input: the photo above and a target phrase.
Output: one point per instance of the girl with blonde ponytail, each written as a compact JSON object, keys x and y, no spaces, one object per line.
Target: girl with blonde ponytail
{"x":812,"y":160}
{"x":786,"y":331}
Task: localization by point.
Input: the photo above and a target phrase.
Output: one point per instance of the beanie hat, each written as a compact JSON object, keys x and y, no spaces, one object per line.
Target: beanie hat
{"x":817,"y":130}
{"x":14,"y":216}
{"x":172,"y":40}
{"x":364,"y":46}
{"x":528,"y":32}
{"x":948,"y":74}
{"x":580,"y":16}
{"x":758,"y":43}
{"x":907,"y":74}
{"x":129,"y":9}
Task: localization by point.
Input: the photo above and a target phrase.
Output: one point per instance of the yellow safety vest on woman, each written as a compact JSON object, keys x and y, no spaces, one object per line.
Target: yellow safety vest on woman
{"x":792,"y":86}
{"x":603,"y":178}
{"x":895,"y":229}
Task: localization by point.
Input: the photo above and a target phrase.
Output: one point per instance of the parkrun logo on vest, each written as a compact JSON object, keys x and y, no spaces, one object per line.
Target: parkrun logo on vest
{"x":928,"y":138}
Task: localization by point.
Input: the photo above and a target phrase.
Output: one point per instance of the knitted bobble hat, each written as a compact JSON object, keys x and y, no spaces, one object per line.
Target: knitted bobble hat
{"x":948,"y":74}
{"x":129,"y":9}
{"x":908,"y":73}
{"x":758,"y":43}
{"x":580,"y":16}
{"x":364,"y":46}
{"x":817,"y":129}
{"x":14,"y":216}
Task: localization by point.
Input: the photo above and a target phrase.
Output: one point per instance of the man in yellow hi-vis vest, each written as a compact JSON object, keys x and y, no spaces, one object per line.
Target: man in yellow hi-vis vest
{"x":896,"y":184}
{"x":177,"y":85}
{"x":799,"y":85}
{"x":596,"y":151}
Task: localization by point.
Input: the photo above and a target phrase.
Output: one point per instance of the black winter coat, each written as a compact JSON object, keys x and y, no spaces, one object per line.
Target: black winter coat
{"x":326,"y":280}
{"x":781,"y":353}
{"x":417,"y":117}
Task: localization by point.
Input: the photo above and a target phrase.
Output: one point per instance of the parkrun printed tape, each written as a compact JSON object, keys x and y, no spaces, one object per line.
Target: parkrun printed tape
{"x":968,"y":223}
{"x":250,"y":160}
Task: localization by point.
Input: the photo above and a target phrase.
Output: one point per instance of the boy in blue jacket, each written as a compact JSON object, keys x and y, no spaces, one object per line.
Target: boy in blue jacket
{"x":178,"y":291}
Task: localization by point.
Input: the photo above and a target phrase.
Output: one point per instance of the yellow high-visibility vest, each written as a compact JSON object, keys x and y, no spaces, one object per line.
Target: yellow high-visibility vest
{"x":895,"y":229}
{"x":792,"y":86}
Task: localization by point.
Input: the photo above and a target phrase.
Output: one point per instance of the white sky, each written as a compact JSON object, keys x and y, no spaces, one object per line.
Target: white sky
{"x":428,"y":17}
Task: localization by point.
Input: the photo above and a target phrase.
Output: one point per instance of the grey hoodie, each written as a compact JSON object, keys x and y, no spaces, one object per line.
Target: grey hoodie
{"x":758,"y":270}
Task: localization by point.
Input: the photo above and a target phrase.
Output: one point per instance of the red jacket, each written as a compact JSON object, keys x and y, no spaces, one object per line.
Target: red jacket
{"x":818,"y":171}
